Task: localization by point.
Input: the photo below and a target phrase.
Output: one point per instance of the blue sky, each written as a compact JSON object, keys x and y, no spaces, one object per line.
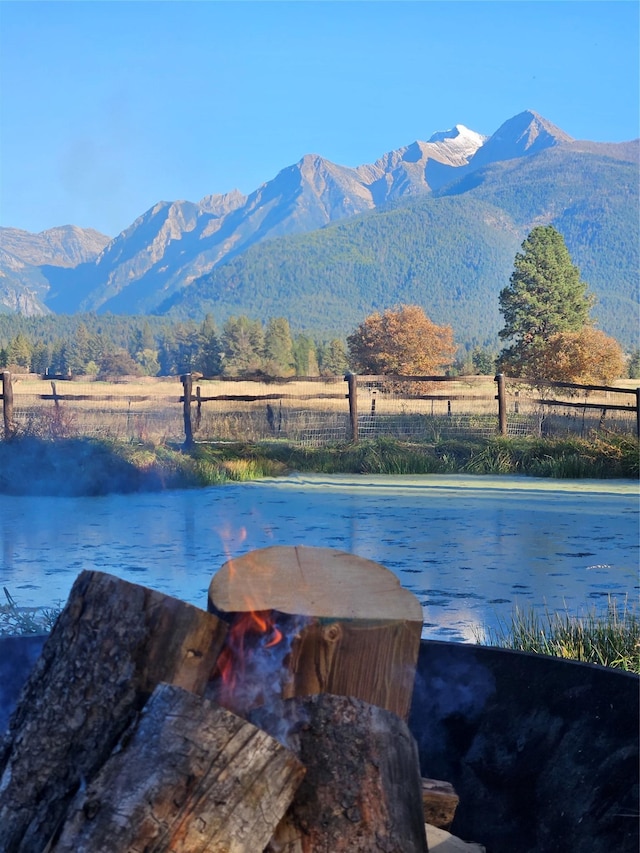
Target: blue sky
{"x":108,"y":107}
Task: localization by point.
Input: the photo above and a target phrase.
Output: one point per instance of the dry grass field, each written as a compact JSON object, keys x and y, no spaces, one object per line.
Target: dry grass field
{"x":309,"y":410}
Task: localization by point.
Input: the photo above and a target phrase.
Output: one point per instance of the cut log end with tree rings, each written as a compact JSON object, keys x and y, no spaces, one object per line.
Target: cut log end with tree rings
{"x":320,"y":582}
{"x":347,"y":625}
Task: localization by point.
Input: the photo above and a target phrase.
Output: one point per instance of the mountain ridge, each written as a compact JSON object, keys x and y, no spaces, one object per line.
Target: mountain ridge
{"x":451,"y":252}
{"x":152,"y":265}
{"x":301,"y":197}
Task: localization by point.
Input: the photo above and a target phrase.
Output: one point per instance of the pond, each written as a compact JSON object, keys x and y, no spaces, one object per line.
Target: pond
{"x":470,"y":548}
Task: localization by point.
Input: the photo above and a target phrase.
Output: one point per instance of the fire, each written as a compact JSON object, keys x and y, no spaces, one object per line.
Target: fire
{"x":275,"y":639}
{"x":248,"y":653}
{"x":254,"y":647}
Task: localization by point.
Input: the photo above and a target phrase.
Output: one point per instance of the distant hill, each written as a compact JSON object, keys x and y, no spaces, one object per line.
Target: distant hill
{"x":437,"y":223}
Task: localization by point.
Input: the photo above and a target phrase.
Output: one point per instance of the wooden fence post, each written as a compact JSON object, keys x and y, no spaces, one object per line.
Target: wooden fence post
{"x":638,"y":412}
{"x":352,"y":384}
{"x":502,"y":404}
{"x":198,"y":406}
{"x":187,"y":387}
{"x":7,"y":407}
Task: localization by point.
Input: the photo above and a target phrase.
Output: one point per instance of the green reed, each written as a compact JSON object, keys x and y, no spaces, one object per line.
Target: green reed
{"x":611,"y":639}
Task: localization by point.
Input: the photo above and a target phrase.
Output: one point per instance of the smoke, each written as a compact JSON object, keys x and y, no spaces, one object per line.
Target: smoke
{"x":73,"y":467}
{"x":252,"y":670}
{"x":449,"y":691}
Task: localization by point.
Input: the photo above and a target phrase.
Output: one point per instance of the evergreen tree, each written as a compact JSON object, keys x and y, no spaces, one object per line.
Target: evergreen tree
{"x":59,"y":360}
{"x":305,"y":357}
{"x":209,"y":359}
{"x":242,"y":345}
{"x":333,"y":358}
{"x":85,"y":348}
{"x":187,"y":337}
{"x":148,"y":361}
{"x":634,"y":365}
{"x":545,"y":296}
{"x":143,"y":348}
{"x":278,"y":348}
{"x":40,"y":358}
{"x":141,"y":339}
{"x":167,"y":355}
{"x":483,"y":360}
{"x":19,"y":352}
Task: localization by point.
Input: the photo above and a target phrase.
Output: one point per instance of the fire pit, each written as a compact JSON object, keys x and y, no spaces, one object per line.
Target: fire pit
{"x":542,"y":753}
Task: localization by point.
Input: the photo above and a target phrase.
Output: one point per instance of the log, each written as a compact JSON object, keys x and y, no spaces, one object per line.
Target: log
{"x":347,"y":625}
{"x":112,"y":644}
{"x":191,"y":778}
{"x":439,"y":801}
{"x":361,"y":792}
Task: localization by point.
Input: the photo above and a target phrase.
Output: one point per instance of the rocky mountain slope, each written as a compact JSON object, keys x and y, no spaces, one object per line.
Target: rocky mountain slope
{"x":174,"y":243}
{"x":527,"y":172}
{"x":451,"y":252}
{"x":66,"y":246}
{"x":23,"y":284}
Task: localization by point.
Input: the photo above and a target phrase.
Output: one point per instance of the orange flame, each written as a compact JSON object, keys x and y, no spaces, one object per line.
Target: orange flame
{"x":276,"y":638}
{"x":249,"y":633}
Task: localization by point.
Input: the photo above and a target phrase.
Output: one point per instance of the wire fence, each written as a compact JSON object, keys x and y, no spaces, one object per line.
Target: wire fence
{"x":312,"y":410}
{"x":129,"y":410}
{"x":427,"y":408}
{"x":566,"y":408}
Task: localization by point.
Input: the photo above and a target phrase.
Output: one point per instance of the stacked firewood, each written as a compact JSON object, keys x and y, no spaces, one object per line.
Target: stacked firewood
{"x":276,"y":720}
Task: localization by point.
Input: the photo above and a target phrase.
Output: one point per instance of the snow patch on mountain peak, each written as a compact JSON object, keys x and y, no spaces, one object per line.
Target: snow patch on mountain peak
{"x":459,"y":137}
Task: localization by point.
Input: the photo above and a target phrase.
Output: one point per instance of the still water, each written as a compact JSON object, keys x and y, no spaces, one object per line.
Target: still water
{"x":471,"y":549}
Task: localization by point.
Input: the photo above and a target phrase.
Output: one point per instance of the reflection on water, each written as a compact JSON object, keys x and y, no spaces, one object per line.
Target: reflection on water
{"x":470,"y":549}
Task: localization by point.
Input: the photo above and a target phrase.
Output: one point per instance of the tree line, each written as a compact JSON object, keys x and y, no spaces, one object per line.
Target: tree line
{"x":548,"y":332}
{"x":143,"y":348}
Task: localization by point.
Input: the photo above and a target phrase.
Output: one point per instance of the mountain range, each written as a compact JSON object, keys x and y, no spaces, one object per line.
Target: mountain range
{"x":435,"y":223}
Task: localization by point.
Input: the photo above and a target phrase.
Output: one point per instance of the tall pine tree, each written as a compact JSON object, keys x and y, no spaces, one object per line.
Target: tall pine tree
{"x":545,"y":296}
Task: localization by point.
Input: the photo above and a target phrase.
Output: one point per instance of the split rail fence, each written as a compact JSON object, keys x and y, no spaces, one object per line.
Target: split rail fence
{"x":311,"y":410}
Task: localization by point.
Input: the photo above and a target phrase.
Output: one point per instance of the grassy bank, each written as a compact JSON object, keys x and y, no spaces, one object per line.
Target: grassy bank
{"x":615,"y":456}
{"x":82,"y":466}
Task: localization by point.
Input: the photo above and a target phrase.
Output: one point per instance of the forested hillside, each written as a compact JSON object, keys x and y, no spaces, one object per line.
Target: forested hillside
{"x":444,"y":254}
{"x":451,"y":254}
{"x":592,"y":199}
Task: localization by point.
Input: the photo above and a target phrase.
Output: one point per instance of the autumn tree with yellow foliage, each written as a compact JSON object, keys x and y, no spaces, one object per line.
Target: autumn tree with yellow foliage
{"x":588,"y":357}
{"x":401,"y":341}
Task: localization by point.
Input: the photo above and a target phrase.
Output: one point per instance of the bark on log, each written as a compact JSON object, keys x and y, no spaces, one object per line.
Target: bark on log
{"x":439,"y":801}
{"x":362,"y":791}
{"x":112,"y":644}
{"x":356,"y":630}
{"x":191,"y":778}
